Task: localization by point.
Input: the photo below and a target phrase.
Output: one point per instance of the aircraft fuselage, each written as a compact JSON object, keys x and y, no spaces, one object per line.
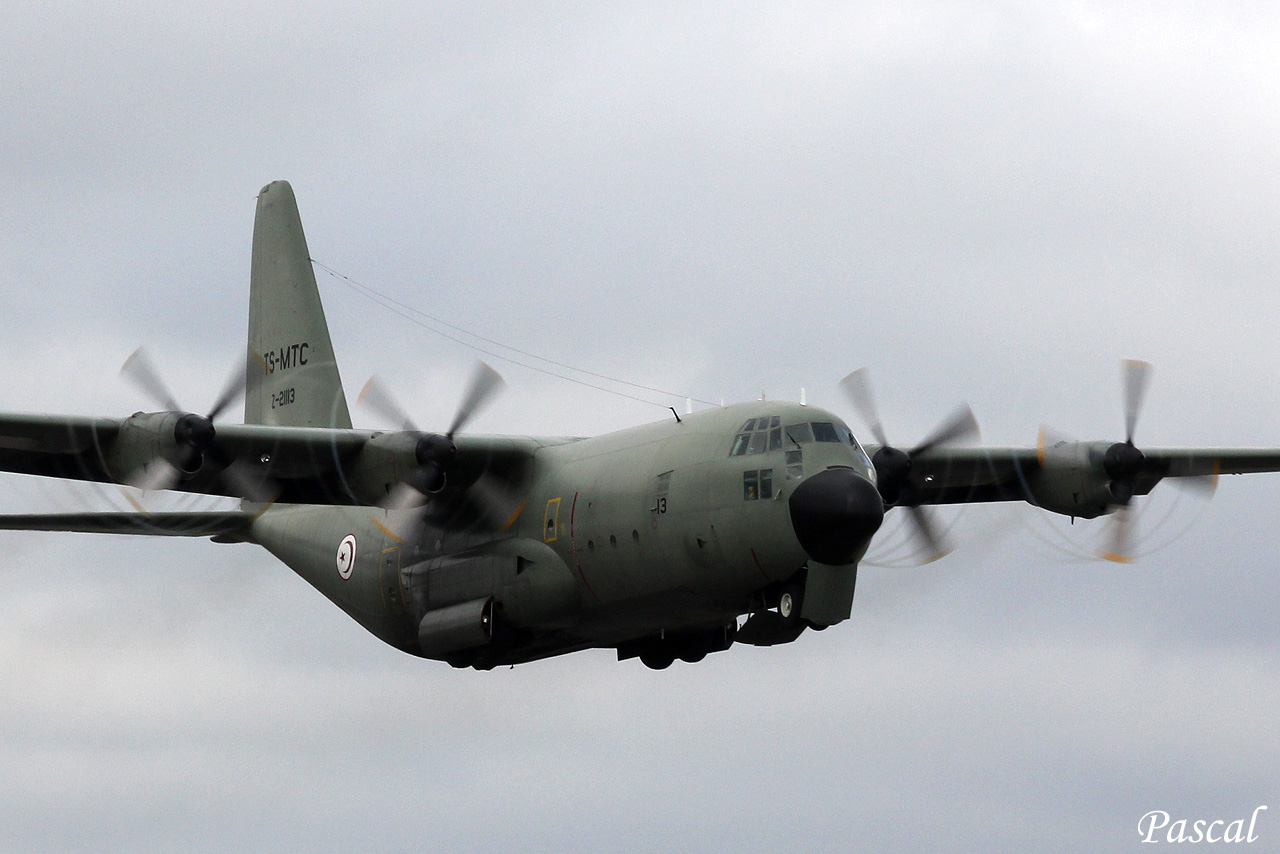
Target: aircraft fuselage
{"x":671,"y":527}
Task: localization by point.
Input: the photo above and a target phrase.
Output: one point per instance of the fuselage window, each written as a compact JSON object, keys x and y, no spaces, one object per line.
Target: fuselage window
{"x":795,"y":464}
{"x":757,"y":484}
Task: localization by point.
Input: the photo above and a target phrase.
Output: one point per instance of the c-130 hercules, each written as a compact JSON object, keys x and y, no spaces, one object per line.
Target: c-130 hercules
{"x":492,"y":550}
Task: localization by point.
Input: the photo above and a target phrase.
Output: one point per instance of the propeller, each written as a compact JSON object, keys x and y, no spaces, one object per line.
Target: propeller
{"x":1115,"y":473}
{"x":437,"y":454}
{"x":194,"y":435}
{"x":893,"y":465}
{"x":1123,"y":463}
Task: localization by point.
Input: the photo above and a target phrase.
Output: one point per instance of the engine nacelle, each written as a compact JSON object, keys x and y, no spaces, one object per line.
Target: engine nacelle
{"x":1071,"y":480}
{"x":466,"y":625}
{"x":385,"y":460}
{"x":144,"y":438}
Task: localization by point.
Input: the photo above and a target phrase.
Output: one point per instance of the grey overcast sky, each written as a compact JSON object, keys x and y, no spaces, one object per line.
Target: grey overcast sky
{"x":989,"y":201}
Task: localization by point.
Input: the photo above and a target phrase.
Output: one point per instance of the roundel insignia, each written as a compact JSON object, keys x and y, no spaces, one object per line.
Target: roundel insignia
{"x":346,"y":557}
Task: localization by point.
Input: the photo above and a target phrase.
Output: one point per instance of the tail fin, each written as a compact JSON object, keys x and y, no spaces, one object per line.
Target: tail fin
{"x":292,"y":373}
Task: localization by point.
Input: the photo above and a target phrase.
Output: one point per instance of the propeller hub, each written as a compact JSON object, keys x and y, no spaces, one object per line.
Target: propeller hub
{"x":436,"y":455}
{"x":893,"y":469}
{"x":834,"y":514}
{"x":196,"y":431}
{"x":433,"y":448}
{"x":1123,"y":461}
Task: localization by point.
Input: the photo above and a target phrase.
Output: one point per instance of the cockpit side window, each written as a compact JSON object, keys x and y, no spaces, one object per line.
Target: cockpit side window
{"x":795,"y":464}
{"x":825,"y":431}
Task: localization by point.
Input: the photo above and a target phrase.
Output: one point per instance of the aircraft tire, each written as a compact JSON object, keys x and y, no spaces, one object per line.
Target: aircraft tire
{"x":790,"y":602}
{"x":657,"y":659}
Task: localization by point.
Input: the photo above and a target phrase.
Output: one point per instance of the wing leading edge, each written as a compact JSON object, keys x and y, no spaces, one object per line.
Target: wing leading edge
{"x":229,"y":526}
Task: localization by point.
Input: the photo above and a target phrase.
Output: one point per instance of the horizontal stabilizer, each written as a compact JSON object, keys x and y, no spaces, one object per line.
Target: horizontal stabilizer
{"x":231,"y":525}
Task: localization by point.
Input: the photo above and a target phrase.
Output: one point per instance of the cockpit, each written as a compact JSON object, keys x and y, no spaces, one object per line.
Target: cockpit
{"x":767,"y":434}
{"x":760,"y":435}
{"x":757,"y":436}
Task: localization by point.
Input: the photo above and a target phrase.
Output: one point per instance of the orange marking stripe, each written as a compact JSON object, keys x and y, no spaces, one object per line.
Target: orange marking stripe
{"x":573,"y":547}
{"x":514,"y":516}
{"x":384,"y":529}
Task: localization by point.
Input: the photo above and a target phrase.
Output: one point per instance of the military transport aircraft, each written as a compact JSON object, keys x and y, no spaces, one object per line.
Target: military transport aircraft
{"x":491,"y":550}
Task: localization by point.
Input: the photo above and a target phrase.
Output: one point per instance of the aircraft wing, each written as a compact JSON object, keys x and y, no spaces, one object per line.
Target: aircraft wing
{"x":302,"y":465}
{"x":1205,"y":462}
{"x":955,"y":475}
{"x":56,"y":446}
{"x":103,"y":450}
{"x":227,"y":526}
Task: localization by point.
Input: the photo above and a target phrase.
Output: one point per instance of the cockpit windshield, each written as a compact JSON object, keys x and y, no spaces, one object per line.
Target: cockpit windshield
{"x":830,"y":432}
{"x":761,"y":435}
{"x":820,"y":431}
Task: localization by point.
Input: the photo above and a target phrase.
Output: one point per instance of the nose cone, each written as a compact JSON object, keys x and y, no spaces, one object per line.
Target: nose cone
{"x":834,"y":513}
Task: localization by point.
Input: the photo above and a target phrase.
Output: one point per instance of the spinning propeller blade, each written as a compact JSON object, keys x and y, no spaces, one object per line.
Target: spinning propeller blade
{"x":159,"y":473}
{"x":893,"y":466}
{"x":485,"y":384}
{"x":194,"y":436}
{"x":857,"y":389}
{"x":140,"y":371}
{"x":959,"y":426}
{"x":376,"y":396}
{"x":936,"y":546}
{"x":1125,"y":468}
{"x":1123,"y":463}
{"x":437,"y":454}
{"x":231,"y":392}
{"x":1136,"y":377}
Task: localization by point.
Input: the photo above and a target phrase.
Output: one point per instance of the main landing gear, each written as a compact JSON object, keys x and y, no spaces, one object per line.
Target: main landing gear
{"x":661,"y":651}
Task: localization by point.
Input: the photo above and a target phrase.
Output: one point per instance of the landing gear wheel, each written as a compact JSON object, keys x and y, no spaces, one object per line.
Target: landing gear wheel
{"x":790,"y":602}
{"x":657,"y":659}
{"x":693,"y":656}
{"x":787,"y":605}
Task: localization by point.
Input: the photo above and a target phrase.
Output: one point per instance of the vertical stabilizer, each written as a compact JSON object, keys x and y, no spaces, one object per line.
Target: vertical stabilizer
{"x":292,"y":372}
